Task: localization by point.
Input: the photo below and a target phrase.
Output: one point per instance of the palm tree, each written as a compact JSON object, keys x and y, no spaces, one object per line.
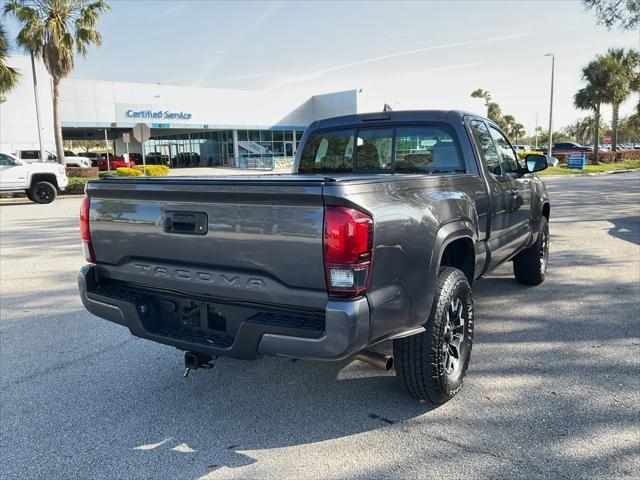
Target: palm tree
{"x":623,"y":65}
{"x":8,"y":75}
{"x":484,"y":94}
{"x":517,"y":131}
{"x":52,"y":30}
{"x":591,"y":97}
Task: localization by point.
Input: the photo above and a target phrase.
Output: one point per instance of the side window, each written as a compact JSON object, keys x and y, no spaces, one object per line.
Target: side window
{"x":508,"y":157}
{"x":373,"y":149}
{"x":30,"y":154}
{"x":425,"y":149}
{"x":328,"y":152}
{"x":6,"y":161}
{"x":490,"y":155}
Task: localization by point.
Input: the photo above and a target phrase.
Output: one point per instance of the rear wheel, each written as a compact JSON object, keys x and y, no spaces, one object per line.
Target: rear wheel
{"x":530,"y":265}
{"x":42,"y":192}
{"x":433,"y":363}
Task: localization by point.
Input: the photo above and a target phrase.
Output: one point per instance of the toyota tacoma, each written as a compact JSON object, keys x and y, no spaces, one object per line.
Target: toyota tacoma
{"x":379,"y":233}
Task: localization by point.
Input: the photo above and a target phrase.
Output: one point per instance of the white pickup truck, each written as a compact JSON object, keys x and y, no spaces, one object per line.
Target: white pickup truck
{"x":70,"y":159}
{"x":39,"y":181}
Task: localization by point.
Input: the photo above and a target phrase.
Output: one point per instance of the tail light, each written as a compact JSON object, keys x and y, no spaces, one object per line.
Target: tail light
{"x":85,"y":232}
{"x":348,"y":250}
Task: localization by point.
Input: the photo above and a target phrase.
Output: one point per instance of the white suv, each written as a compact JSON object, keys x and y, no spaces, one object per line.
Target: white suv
{"x":39,"y":181}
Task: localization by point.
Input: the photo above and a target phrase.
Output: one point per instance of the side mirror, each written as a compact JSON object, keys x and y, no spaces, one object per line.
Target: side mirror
{"x":536,"y":162}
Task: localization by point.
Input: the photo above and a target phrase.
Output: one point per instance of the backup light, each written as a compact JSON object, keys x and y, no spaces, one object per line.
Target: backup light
{"x":348,"y":250}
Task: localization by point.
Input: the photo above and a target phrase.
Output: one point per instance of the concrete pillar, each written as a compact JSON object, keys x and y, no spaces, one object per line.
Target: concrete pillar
{"x":236,"y":149}
{"x":295,"y":143}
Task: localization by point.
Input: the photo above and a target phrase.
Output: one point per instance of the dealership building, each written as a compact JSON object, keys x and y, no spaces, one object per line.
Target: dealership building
{"x":190,"y":126}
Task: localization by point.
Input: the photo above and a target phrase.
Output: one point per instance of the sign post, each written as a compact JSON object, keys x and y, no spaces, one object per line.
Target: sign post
{"x":142,"y":133}
{"x":106,"y":142}
{"x":126,"y":138}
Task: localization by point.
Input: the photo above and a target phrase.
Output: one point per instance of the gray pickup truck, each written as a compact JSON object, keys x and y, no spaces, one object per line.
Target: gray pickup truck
{"x":378,"y":235}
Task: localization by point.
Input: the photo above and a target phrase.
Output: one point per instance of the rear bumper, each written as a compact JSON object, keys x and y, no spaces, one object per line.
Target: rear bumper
{"x":345,"y":330}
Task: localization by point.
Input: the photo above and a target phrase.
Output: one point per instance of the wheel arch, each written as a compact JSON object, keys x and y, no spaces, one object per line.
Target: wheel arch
{"x":43,"y":177}
{"x":455,"y":247}
{"x":546,"y":210}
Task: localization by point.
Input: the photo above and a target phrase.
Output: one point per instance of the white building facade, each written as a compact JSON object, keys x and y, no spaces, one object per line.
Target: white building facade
{"x":190,"y":126}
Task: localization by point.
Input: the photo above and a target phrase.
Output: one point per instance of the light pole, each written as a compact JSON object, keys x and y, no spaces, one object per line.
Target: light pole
{"x":553,"y":64}
{"x":35,"y":94}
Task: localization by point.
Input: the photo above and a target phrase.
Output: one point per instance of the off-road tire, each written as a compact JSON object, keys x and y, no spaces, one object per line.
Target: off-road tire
{"x":530,"y":265}
{"x":420,"y":359}
{"x":43,"y":192}
{"x":29,"y":194}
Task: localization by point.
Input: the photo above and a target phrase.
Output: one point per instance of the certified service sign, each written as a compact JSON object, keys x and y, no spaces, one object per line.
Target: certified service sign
{"x":158,"y":114}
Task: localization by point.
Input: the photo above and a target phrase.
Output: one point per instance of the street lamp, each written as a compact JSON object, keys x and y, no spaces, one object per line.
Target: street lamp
{"x":553,"y":64}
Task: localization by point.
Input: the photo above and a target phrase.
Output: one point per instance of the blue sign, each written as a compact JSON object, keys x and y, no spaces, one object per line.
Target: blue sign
{"x":577,"y":160}
{"x":159,"y":114}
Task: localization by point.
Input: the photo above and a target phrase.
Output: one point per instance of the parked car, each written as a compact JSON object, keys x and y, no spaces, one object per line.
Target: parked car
{"x":39,"y":181}
{"x":378,"y":235}
{"x":522,"y":148}
{"x":113,"y":163}
{"x":73,"y":160}
{"x":156,"y":158}
{"x":33,"y":156}
{"x":567,"y":147}
{"x":186,"y":159}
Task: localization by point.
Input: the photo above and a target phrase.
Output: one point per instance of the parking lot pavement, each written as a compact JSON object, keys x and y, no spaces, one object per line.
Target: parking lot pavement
{"x":553,"y":390}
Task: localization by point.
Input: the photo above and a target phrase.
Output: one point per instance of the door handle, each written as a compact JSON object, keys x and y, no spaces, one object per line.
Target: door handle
{"x":189,"y":223}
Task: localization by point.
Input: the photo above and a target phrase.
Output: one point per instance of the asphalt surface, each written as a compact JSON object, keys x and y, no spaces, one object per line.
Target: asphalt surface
{"x":553,"y":389}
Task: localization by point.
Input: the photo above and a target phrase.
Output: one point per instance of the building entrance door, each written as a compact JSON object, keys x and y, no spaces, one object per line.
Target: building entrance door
{"x":288,"y":149}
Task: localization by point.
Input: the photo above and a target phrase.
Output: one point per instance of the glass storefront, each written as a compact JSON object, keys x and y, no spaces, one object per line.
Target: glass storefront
{"x":207,"y":148}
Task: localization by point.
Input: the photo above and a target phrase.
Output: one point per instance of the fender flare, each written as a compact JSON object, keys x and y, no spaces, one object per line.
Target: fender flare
{"x":447,"y":233}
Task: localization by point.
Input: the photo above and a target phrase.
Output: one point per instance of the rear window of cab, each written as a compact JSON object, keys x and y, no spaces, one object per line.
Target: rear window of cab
{"x":403,"y":149}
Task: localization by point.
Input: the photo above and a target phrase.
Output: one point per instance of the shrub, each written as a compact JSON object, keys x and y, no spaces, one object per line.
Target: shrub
{"x":76,"y":185}
{"x":605,"y":157}
{"x":110,"y":173}
{"x":78,"y":172}
{"x":154,"y":170}
{"x":127,"y":172}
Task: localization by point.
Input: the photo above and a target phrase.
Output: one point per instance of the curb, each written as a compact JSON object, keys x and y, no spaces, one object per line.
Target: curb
{"x":591,"y":174}
{"x":25,"y":200}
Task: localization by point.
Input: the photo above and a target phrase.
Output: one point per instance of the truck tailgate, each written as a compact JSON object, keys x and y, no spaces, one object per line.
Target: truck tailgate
{"x":241,"y":238}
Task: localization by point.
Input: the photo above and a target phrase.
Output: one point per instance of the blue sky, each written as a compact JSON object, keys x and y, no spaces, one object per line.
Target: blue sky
{"x":409,"y":54}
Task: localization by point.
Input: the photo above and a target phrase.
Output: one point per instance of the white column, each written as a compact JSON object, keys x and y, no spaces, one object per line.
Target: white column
{"x":236,"y":149}
{"x":295,"y":143}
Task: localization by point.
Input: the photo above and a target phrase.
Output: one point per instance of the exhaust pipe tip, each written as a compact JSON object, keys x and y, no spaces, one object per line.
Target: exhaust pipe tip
{"x":378,"y":360}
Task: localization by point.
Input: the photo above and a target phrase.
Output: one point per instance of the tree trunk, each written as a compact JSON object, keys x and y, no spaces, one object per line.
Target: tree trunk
{"x":57,"y":128}
{"x":596,"y":134}
{"x":614,"y":126}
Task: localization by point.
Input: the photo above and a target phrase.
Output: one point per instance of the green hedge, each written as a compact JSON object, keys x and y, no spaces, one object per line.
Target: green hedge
{"x":76,"y":186}
{"x":605,"y":157}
